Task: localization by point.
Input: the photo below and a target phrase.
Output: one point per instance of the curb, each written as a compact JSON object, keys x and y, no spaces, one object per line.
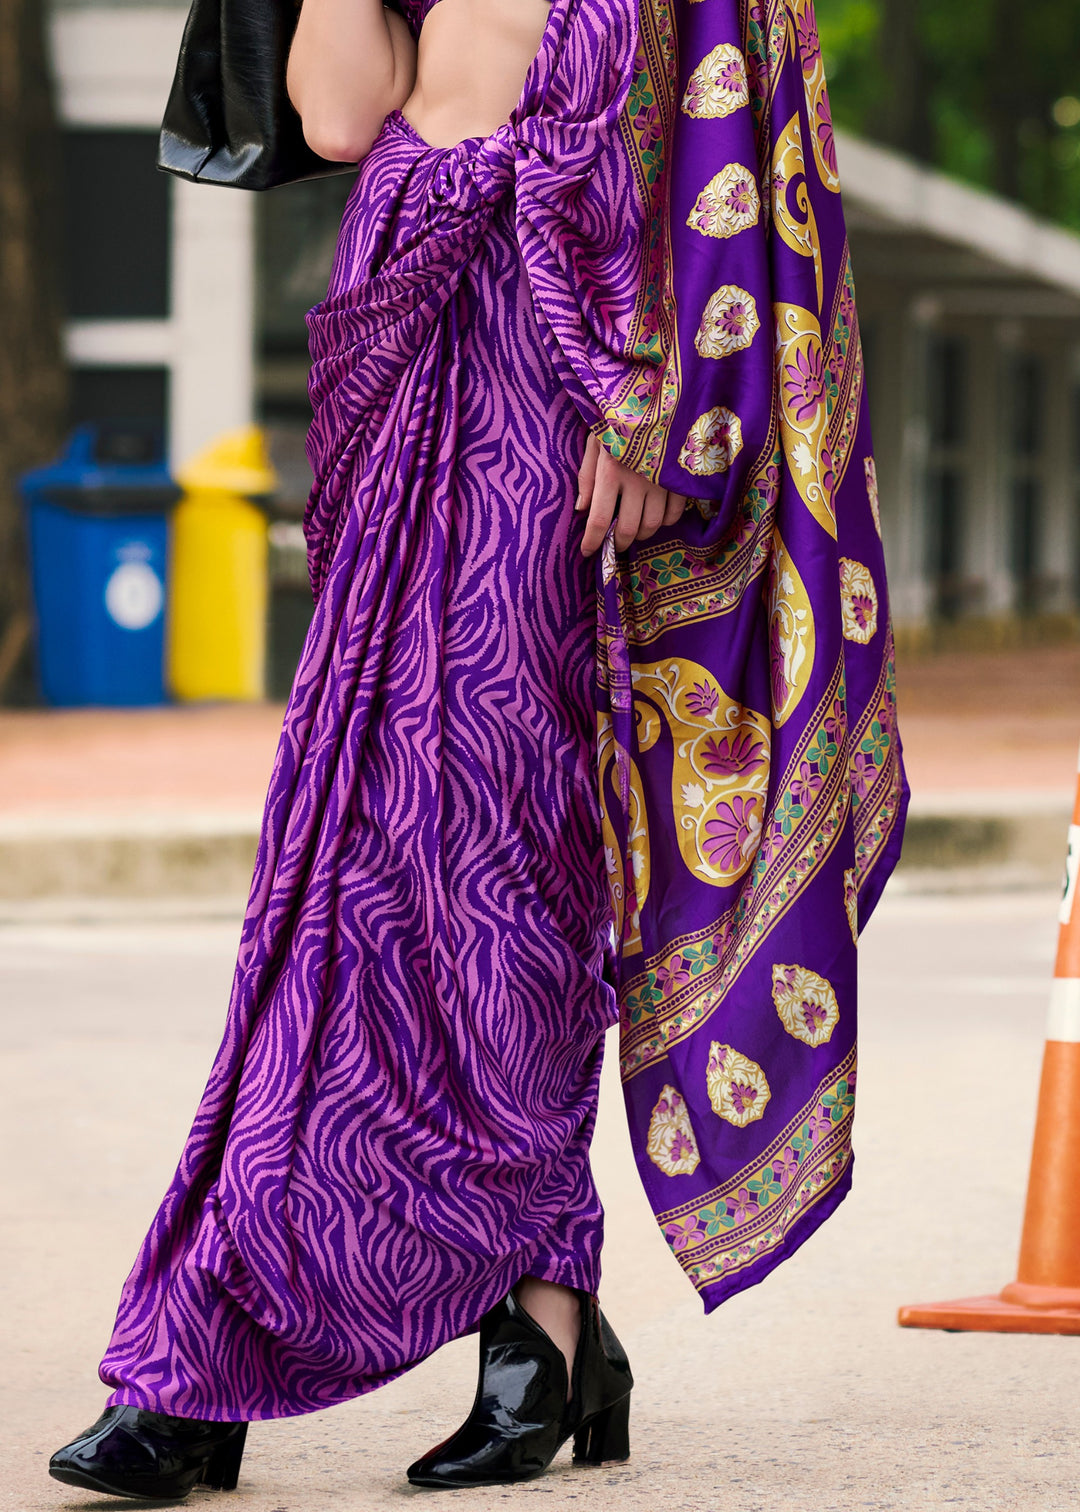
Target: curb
{"x":1021,"y":837}
{"x":136,"y":857}
{"x":954,"y":842}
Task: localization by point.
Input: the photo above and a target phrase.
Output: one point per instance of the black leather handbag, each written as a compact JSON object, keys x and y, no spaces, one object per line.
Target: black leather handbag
{"x":229,"y":119}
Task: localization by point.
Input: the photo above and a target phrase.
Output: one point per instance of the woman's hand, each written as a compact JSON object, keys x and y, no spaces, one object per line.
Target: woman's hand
{"x":643,"y":506}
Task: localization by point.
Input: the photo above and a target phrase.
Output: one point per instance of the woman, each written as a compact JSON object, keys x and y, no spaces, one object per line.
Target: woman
{"x":557,"y":753}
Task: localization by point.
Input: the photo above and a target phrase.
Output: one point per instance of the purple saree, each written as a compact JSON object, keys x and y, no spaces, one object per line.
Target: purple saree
{"x":520,"y":794}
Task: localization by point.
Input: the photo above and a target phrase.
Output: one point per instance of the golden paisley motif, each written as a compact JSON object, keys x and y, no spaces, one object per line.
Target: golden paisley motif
{"x":729,"y":322}
{"x":626,"y":910}
{"x":817,"y":99}
{"x":804,"y":382}
{"x":851,"y":902}
{"x":858,"y":601}
{"x":720,"y":764}
{"x":792,"y":637}
{"x":712,"y":442}
{"x":806,"y":1004}
{"x":793,"y":214}
{"x":870,"y":471}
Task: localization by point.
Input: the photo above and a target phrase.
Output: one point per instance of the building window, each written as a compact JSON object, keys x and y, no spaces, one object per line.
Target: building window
{"x":1025,"y":436}
{"x":117,"y":226}
{"x":296,"y":231}
{"x":119,"y":393}
{"x":948,"y":461}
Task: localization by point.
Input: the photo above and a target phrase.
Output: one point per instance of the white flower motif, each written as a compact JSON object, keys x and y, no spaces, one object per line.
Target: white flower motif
{"x":729,"y":322}
{"x":712,"y":442}
{"x":806,"y":1004}
{"x":737,"y":1087}
{"x":802,"y":458}
{"x":718,"y":84}
{"x":870,"y":470}
{"x":858,"y":601}
{"x":693,"y":796}
{"x":728,"y":204}
{"x":671,"y":1144}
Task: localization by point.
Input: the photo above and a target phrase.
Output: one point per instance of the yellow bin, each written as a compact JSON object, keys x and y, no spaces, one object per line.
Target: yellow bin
{"x":216,"y":627}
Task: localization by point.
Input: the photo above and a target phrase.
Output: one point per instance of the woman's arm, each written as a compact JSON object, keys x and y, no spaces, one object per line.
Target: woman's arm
{"x":352,"y":61}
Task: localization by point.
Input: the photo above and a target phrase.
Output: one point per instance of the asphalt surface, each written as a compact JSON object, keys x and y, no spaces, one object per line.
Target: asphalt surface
{"x":799,"y":1394}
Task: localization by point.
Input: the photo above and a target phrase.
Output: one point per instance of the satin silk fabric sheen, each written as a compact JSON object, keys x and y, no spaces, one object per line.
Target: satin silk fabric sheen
{"x":519,"y":793}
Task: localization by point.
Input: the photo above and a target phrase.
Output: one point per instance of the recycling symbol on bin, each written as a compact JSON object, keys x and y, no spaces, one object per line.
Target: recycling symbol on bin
{"x":134,"y":595}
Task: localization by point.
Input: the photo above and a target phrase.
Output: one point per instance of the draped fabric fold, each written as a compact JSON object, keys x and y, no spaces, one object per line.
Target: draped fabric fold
{"x":484,"y":726}
{"x":678,"y":211}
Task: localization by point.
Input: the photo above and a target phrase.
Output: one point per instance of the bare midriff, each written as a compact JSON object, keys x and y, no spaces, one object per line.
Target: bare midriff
{"x":471,"y":62}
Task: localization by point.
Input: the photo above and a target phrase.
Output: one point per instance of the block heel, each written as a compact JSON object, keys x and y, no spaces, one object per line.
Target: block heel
{"x":223,"y":1467}
{"x":606,"y":1437}
{"x":523,"y":1413}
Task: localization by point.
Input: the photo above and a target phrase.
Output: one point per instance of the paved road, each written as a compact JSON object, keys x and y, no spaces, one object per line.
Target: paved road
{"x":801,"y":1394}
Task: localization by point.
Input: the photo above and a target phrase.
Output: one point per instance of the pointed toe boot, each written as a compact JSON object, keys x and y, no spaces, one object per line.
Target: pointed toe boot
{"x":521,"y":1416}
{"x":132,"y":1452}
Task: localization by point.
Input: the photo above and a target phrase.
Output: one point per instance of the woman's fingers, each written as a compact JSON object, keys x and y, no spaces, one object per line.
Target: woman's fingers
{"x":652,"y":513}
{"x":596,"y":526}
{"x":618,"y":484}
{"x":676,"y":503}
{"x":600,"y":494}
{"x":587,"y":472}
{"x":605,"y":486}
{"x":631,"y":504}
{"x":618,"y":487}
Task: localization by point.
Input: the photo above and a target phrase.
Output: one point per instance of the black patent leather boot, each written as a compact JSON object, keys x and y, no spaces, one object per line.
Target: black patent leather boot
{"x":132,"y":1452}
{"x":521,"y":1416}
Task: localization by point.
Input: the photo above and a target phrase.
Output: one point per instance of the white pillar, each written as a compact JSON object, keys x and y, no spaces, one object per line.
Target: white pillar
{"x":1057,"y":544}
{"x":904,"y":528}
{"x":114,"y":66}
{"x":213,"y":294}
{"x":987,"y":536}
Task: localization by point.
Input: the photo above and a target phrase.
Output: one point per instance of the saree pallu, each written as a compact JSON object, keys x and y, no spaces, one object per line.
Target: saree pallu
{"x":519,"y":794}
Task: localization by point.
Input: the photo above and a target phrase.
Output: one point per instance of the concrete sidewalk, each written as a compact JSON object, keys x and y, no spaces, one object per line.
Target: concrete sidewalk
{"x":144,"y":804}
{"x":801,"y":1395}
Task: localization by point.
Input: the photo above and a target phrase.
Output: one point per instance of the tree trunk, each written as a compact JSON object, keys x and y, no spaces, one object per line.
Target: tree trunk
{"x":904,"y":120}
{"x":1007,"y":101}
{"x":33,"y":380}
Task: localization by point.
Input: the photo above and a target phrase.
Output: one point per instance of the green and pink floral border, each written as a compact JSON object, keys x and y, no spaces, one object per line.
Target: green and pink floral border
{"x":733,"y":1225}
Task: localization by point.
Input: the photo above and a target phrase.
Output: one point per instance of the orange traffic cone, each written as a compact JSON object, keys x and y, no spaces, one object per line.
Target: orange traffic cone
{"x":1045,"y":1297}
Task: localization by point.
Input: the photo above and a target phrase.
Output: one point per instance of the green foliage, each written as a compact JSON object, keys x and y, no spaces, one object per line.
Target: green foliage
{"x":988,"y":90}
{"x":849,"y":43}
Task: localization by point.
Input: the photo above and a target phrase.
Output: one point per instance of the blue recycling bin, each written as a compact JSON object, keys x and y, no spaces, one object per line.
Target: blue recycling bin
{"x":97,"y":523}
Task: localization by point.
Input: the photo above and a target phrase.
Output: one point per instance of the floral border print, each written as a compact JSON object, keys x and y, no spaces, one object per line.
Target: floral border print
{"x":736,"y":1224}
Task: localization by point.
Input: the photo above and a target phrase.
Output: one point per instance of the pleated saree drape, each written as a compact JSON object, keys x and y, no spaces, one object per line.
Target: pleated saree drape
{"x":520,"y":793}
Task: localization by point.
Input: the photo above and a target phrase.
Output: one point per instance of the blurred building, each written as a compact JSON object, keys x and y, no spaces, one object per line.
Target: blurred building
{"x":971,"y":326}
{"x":160,"y":276}
{"x":186,"y":307}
